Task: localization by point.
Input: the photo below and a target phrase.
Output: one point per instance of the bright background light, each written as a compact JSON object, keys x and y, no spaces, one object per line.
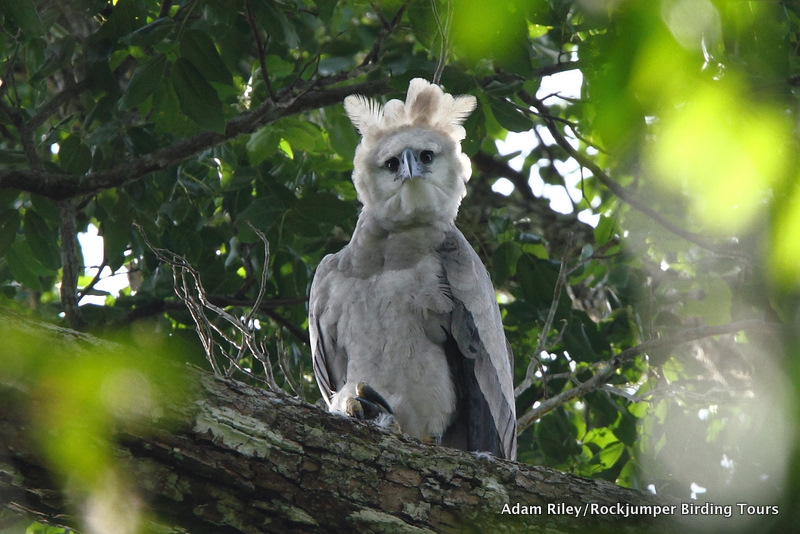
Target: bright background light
{"x":112,"y":283}
{"x":559,"y":87}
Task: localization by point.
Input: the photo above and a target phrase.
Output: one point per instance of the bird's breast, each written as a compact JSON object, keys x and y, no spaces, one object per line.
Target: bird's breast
{"x":391,"y":326}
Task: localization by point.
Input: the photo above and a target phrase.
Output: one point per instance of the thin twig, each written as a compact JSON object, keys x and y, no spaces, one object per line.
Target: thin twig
{"x":387,"y":27}
{"x":251,"y":20}
{"x":190,"y":290}
{"x":444,"y":33}
{"x":542,"y":344}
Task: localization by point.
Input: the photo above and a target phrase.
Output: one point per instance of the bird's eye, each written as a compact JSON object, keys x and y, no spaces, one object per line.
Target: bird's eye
{"x":392,"y":164}
{"x":426,"y":157}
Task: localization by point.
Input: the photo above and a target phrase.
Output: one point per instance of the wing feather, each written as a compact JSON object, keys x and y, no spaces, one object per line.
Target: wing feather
{"x":329,"y":359}
{"x":485,"y":369}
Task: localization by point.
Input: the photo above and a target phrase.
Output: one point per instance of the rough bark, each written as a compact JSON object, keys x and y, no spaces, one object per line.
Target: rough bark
{"x":237,"y":458}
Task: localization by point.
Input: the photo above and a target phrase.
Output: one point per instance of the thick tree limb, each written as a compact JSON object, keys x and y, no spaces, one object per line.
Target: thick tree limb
{"x":246,"y":460}
{"x":241,"y":459}
{"x":60,"y":186}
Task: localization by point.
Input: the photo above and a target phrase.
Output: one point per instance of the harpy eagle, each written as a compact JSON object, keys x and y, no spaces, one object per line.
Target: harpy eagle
{"x":404,"y":322}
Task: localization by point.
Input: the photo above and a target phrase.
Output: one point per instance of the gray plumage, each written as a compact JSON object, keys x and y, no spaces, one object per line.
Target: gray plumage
{"x":407,"y":307}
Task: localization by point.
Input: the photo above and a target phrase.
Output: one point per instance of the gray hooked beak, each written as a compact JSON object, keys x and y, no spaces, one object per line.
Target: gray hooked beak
{"x":410,"y":166}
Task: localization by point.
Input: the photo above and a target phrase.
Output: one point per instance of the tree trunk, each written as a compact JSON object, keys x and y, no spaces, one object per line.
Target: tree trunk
{"x":247,"y":460}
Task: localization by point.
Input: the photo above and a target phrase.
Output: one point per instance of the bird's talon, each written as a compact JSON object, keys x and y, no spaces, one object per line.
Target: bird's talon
{"x":364,"y":391}
{"x":355,"y":409}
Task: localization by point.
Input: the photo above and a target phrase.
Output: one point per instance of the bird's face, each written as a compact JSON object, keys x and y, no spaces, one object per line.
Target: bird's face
{"x":413,"y":176}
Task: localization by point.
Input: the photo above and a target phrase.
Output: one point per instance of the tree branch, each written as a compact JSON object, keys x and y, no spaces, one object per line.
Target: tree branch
{"x":70,"y":265}
{"x":242,"y":459}
{"x":604,"y":370}
{"x":623,"y":194}
{"x":59,"y":186}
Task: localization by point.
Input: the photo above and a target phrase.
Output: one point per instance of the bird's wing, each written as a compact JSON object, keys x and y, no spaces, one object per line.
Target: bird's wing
{"x":478,"y":352}
{"x":330,"y":360}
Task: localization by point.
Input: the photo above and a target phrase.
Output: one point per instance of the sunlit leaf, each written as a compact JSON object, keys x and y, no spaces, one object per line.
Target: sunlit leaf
{"x":726,"y":154}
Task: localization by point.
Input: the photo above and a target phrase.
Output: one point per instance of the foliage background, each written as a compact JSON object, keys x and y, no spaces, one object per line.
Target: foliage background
{"x":663,"y":307}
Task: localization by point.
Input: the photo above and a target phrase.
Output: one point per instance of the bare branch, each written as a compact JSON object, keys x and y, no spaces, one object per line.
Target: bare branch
{"x":251,"y":20}
{"x":542,"y":344}
{"x":604,"y":370}
{"x":190,"y":290}
{"x":387,"y":29}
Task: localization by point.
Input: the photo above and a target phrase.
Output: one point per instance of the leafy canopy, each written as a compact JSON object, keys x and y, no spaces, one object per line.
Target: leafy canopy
{"x":650,"y":315}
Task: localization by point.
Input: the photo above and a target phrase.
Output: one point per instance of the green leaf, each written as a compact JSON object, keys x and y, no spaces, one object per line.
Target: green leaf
{"x":504,"y":261}
{"x":326,"y":8}
{"x":24,"y":15}
{"x":116,"y":236}
{"x":325,"y":208}
{"x":74,"y":156}
{"x":24,"y":267}
{"x":199,"y":49}
{"x":42,"y":240}
{"x":262,"y":144}
{"x":604,"y":230}
{"x":303,"y":136}
{"x":609,"y":455}
{"x":509,"y":116}
{"x":423,"y":22}
{"x":277,"y":24}
{"x":57,"y":55}
{"x":9,"y":224}
{"x":152,"y":33}
{"x":144,"y":81}
{"x":198,"y":100}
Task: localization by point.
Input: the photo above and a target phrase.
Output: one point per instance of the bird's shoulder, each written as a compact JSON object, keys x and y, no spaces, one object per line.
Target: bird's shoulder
{"x":467,"y":276}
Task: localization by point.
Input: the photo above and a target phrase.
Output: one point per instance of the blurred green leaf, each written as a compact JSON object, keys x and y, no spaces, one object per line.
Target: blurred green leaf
{"x":144,"y":81}
{"x":198,"y":100}
{"x":504,"y":261}
{"x":24,"y":266}
{"x":43,"y":240}
{"x":199,"y":49}
{"x":23,"y":14}
{"x":509,"y":116}
{"x":74,"y":156}
{"x":9,"y":225}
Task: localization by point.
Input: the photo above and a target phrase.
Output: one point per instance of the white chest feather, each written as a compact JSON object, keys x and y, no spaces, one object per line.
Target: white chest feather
{"x":390,"y":325}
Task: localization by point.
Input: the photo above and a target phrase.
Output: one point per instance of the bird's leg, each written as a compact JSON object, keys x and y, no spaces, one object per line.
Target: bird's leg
{"x":369,"y":405}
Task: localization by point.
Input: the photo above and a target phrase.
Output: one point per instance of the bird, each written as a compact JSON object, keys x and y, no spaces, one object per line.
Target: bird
{"x":404,"y":324}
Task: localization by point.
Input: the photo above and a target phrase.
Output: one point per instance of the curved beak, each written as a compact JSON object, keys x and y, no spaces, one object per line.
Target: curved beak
{"x":410,"y":167}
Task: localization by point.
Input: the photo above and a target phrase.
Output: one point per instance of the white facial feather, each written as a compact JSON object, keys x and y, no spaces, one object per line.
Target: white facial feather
{"x":430,"y":120}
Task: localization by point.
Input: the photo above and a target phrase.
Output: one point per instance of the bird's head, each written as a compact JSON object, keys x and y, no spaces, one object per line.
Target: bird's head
{"x":409,"y":168}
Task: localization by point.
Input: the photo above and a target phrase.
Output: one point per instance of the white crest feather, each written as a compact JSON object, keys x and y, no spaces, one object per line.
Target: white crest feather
{"x":426,"y":106}
{"x":364,"y":112}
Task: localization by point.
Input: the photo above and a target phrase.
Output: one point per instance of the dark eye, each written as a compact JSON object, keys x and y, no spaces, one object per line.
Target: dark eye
{"x":392,"y":164}
{"x":426,"y":157}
